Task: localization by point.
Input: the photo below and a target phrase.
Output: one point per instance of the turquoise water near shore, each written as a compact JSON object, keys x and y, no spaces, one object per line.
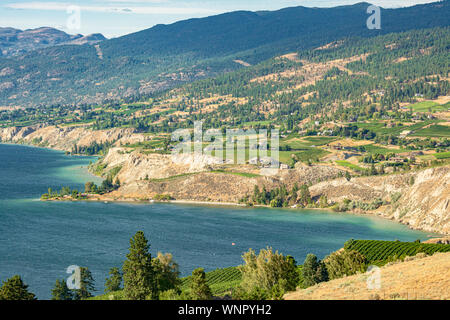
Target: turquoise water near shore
{"x":39,"y":240}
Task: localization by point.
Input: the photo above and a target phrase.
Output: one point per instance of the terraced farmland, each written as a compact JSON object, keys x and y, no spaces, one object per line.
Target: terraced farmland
{"x":379,"y":252}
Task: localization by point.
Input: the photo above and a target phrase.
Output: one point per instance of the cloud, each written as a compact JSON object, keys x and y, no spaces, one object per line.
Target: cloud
{"x":58,"y":6}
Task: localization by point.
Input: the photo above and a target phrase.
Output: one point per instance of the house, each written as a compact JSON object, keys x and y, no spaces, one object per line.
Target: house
{"x":397,"y":159}
{"x":284,"y":166}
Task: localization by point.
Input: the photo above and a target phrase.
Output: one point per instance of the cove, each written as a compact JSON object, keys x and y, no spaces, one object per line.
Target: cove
{"x":39,"y":240}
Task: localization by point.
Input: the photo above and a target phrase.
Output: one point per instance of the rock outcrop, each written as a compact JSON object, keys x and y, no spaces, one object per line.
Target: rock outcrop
{"x":64,"y":138}
{"x":420,"y":199}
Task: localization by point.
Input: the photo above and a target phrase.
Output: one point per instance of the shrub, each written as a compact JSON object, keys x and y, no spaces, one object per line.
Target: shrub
{"x":266,"y":275}
{"x":344,"y":263}
{"x":314,"y":271}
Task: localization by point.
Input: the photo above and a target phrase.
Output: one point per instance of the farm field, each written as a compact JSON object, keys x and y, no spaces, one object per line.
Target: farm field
{"x":434,"y":131}
{"x":442,"y":155}
{"x":428,"y":106}
{"x":373,"y":149}
{"x":349,"y":165}
{"x":380,"y":252}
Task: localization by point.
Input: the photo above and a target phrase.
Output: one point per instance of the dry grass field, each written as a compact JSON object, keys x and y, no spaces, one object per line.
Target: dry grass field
{"x":418,"y":279}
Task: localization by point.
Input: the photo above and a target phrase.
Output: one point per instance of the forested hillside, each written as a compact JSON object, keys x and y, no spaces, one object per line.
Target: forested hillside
{"x":168,"y":55}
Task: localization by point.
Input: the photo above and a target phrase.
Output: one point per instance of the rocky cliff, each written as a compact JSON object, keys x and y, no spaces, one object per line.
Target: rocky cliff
{"x":64,"y":138}
{"x":420,"y":199}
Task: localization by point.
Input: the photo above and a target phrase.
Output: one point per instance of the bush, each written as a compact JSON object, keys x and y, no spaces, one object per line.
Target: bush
{"x":344,"y":263}
{"x":15,"y":289}
{"x":199,"y":289}
{"x":266,"y":275}
{"x":313,"y":271}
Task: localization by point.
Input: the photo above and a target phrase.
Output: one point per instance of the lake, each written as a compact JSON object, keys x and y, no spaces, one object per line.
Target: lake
{"x":39,"y":240}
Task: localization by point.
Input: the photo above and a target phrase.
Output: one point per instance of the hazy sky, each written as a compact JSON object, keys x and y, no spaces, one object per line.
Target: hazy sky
{"x":118,"y":17}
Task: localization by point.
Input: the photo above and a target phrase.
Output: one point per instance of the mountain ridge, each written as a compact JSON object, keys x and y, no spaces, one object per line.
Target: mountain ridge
{"x":15,"y":42}
{"x":165,"y":56}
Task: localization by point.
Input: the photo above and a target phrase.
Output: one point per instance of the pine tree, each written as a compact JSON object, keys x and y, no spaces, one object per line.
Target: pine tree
{"x":138,"y":273}
{"x":314,"y":271}
{"x":199,"y":289}
{"x":113,"y":282}
{"x":348,"y":176}
{"x":15,"y":289}
{"x":86,"y":285}
{"x":61,"y":291}
{"x":305,"y":196}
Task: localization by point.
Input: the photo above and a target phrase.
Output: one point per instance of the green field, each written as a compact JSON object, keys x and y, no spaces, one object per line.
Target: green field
{"x":319,"y":141}
{"x":349,"y":165}
{"x":373,"y":149}
{"x":434,"y":131}
{"x":380,"y":252}
{"x":304,"y":155}
{"x":428,"y":106}
{"x":220,"y":281}
{"x":381,"y":128}
{"x":442,"y":155}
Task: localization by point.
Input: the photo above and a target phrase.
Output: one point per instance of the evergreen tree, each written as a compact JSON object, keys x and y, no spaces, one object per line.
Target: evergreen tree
{"x":138,"y":272}
{"x":113,"y":282}
{"x":15,"y":289}
{"x":199,"y":289}
{"x":305,"y":196}
{"x":314,"y":271}
{"x":348,"y":176}
{"x":61,"y":291}
{"x":86,"y":285}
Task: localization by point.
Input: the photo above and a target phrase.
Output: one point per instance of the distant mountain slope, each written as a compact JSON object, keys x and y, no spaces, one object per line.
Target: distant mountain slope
{"x":15,"y":41}
{"x":167,"y":55}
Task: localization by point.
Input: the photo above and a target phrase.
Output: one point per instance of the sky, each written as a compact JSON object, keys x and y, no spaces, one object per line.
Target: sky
{"x":114,"y":18}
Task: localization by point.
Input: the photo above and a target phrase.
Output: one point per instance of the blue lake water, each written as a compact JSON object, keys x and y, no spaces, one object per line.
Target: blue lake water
{"x":39,"y":240}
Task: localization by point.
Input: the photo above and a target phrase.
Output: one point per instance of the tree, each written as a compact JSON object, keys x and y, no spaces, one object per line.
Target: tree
{"x":86,"y":285}
{"x":166,"y":272}
{"x":113,"y":282}
{"x":345,"y":263}
{"x":61,"y":291}
{"x":348,"y":176}
{"x":199,"y":289}
{"x":305,"y":196}
{"x":15,"y":289}
{"x":314,"y":271}
{"x":89,"y":187}
{"x":138,"y":272}
{"x":267,"y":275}
{"x":323,"y":201}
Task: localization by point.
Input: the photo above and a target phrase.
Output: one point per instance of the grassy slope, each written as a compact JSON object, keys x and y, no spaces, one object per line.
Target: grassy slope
{"x":398,"y":281}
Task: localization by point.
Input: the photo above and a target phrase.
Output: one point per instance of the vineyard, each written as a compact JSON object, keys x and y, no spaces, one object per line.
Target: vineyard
{"x":379,"y":252}
{"x":219,"y":280}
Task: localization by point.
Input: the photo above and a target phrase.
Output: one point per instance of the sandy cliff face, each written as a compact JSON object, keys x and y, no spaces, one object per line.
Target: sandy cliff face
{"x":64,"y":138}
{"x":422,"y":198}
{"x":424,"y":201}
{"x":139,"y":166}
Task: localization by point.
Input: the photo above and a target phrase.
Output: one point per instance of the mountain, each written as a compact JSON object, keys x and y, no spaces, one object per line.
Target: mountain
{"x":168,"y":55}
{"x":15,"y":42}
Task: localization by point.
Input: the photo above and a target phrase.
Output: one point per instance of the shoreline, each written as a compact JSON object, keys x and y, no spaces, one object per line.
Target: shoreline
{"x":230,"y":205}
{"x":103,"y":198}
